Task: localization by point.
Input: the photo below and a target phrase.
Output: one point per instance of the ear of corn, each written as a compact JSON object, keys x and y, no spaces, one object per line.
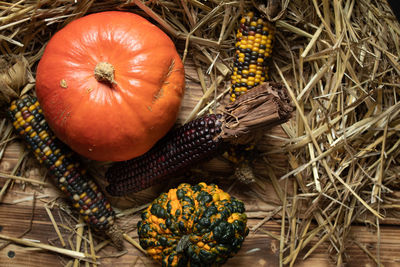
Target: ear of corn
{"x":254,"y":43}
{"x":263,"y":107}
{"x":29,"y":122}
{"x":194,"y":142}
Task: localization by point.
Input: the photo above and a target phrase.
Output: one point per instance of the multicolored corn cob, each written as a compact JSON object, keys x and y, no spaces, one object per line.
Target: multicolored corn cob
{"x":254,"y":41}
{"x":263,"y":107}
{"x":29,"y":122}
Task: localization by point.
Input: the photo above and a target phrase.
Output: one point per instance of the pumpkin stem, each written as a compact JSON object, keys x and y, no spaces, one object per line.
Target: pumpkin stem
{"x":104,"y":72}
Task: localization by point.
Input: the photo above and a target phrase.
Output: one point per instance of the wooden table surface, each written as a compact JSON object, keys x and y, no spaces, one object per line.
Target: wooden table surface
{"x":259,"y":249}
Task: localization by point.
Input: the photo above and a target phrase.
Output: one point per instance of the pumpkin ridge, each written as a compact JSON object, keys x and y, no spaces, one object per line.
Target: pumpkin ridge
{"x":139,"y":68}
{"x":164,"y":81}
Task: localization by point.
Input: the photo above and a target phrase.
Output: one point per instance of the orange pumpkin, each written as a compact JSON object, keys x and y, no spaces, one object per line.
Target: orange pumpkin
{"x":110,"y":85}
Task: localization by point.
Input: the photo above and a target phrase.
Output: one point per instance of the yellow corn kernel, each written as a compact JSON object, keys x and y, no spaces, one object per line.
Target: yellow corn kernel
{"x":58,"y":163}
{"x":18,"y":115}
{"x":43,"y":132}
{"x":13,"y":106}
{"x":32,"y":108}
{"x":47,"y":150}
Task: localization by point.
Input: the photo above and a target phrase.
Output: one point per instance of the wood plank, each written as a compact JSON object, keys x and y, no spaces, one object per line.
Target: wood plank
{"x":258,"y":248}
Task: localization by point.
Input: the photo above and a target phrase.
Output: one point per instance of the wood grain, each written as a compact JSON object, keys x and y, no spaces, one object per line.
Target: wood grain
{"x":258,"y":249}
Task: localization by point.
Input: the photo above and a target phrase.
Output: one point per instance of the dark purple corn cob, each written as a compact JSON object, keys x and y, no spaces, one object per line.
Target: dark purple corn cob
{"x":189,"y":144}
{"x":262,"y":107}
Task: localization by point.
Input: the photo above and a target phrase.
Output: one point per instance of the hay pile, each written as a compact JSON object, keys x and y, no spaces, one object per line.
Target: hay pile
{"x":340,"y":61}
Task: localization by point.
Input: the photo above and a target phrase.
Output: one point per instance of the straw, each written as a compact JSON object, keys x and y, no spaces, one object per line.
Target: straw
{"x":66,"y":252}
{"x":339,"y":60}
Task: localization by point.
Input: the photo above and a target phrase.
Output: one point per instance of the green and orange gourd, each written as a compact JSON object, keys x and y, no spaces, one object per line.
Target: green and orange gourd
{"x":199,"y":225}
